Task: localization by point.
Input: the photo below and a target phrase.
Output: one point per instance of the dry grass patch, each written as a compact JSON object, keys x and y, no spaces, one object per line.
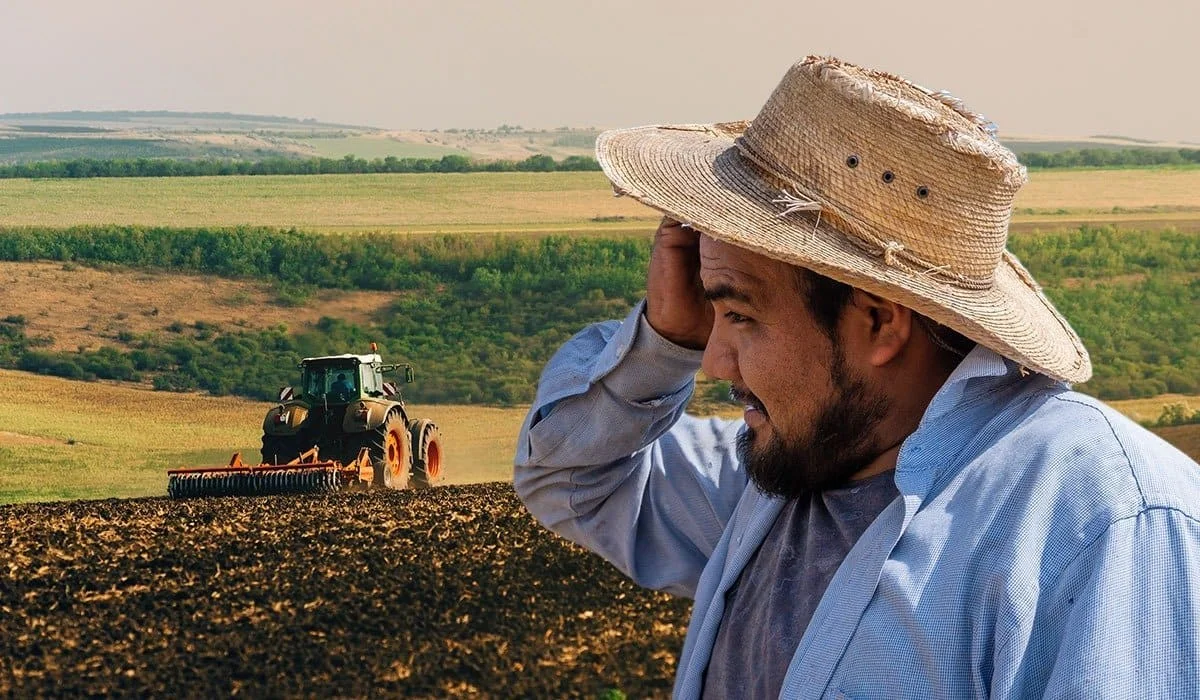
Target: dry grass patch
{"x":1148,"y":410}
{"x":86,"y":307}
{"x":1099,"y":191}
{"x":7,"y":438}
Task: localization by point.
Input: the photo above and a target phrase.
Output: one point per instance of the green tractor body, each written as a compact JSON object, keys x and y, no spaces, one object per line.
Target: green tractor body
{"x":346,"y":410}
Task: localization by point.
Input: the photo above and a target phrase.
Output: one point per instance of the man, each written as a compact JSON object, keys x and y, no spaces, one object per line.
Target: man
{"x":342,"y":385}
{"x":915,"y":504}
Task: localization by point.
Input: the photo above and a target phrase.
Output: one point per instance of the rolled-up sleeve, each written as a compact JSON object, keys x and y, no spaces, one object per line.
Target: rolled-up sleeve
{"x":608,"y":459}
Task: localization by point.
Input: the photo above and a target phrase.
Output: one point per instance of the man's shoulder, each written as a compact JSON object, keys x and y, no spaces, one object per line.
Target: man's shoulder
{"x":1162,"y":474}
{"x":1094,"y":455}
{"x":1054,"y":470}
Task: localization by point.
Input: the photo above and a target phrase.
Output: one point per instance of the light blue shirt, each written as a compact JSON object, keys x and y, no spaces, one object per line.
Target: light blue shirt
{"x":1042,"y":545}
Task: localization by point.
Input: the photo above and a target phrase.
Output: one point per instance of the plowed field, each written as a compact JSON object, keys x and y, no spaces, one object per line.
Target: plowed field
{"x":454,"y":591}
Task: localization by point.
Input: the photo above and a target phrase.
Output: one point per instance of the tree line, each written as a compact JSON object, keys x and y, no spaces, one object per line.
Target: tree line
{"x":480,"y":316}
{"x":453,"y":163}
{"x":174,"y":167}
{"x":1111,"y":157}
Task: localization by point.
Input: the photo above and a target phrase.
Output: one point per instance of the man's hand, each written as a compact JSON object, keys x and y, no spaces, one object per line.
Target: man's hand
{"x":675,"y":305}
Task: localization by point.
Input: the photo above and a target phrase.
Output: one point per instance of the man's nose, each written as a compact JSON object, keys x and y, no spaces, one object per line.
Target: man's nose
{"x":720,"y":357}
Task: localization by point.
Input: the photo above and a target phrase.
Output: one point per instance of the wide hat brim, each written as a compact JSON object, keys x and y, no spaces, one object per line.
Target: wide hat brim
{"x":696,"y":175}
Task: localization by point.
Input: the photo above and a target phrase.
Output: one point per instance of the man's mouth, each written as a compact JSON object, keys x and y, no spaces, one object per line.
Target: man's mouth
{"x":748,"y":400}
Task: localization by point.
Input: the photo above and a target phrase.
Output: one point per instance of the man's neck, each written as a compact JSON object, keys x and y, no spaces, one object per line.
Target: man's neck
{"x":910,"y":399}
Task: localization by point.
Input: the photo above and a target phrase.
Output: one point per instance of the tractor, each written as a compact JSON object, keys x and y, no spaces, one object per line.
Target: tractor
{"x":344,"y":426}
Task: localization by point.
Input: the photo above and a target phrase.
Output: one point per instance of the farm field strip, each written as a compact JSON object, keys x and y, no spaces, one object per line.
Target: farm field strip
{"x":526,"y":203}
{"x":62,"y":439}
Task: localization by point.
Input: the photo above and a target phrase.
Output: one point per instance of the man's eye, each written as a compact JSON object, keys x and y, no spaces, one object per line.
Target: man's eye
{"x":735,"y":317}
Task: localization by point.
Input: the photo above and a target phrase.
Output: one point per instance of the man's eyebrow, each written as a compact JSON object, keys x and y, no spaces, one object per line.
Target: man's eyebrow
{"x":725,"y":291}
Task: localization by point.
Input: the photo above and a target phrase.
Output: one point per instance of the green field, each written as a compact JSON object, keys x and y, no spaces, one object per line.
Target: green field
{"x":568,"y":202}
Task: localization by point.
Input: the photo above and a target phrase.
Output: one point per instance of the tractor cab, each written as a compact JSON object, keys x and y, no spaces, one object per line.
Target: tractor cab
{"x":340,"y":379}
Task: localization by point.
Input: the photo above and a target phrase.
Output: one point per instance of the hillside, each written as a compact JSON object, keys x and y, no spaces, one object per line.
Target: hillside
{"x":86,"y":307}
{"x":158,"y":134}
{"x":26,"y":137}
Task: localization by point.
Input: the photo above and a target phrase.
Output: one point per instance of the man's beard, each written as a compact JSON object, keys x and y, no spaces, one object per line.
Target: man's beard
{"x":840,"y":442}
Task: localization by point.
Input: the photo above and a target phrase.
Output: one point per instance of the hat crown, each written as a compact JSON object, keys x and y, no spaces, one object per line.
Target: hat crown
{"x":898,"y":169}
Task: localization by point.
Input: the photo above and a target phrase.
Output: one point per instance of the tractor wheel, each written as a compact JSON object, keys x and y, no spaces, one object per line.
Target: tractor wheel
{"x":391,"y":451}
{"x":427,"y":453}
{"x":279,"y":449}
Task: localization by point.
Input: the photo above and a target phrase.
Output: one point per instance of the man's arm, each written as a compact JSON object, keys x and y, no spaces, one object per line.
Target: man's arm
{"x":1122,"y":620}
{"x":608,"y":459}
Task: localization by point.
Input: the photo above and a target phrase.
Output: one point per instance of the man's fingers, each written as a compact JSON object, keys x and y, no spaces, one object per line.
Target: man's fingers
{"x":673,"y":234}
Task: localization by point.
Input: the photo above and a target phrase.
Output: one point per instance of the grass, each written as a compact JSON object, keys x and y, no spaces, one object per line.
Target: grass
{"x":478,"y":202}
{"x":61,"y":439}
{"x":526,"y":203}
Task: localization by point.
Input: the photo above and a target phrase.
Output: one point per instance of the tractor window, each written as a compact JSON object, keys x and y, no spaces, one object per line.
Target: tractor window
{"x":331,"y":381}
{"x":314,"y":381}
{"x":371,"y":383}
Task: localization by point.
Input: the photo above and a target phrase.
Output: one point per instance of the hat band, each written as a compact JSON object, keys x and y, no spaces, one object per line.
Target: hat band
{"x":858,"y":231}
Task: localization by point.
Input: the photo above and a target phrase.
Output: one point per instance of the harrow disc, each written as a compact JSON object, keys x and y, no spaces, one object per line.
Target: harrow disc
{"x":266,"y":483}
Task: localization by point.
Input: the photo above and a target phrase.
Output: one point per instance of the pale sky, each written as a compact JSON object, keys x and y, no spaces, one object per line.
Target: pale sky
{"x":1035,"y":67}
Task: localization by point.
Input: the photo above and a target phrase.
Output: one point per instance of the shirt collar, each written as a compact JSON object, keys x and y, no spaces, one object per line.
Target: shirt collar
{"x":979,"y":364}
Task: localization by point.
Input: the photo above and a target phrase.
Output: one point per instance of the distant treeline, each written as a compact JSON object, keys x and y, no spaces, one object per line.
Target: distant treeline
{"x":480,"y":316}
{"x":172,"y":167}
{"x":1112,"y":158}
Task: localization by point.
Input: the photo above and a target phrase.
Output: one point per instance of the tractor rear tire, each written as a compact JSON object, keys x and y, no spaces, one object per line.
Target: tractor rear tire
{"x":427,"y":453}
{"x":391,"y":453}
{"x":279,"y":449}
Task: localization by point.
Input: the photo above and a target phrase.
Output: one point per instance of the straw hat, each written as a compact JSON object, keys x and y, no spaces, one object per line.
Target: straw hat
{"x":863,"y":177}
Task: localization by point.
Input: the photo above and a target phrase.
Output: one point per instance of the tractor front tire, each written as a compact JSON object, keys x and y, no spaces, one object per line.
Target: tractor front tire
{"x":391,"y":453}
{"x":279,"y":449}
{"x":427,"y":453}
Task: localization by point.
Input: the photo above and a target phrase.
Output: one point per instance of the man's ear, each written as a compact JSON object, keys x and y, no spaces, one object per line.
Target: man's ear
{"x":881,"y":328}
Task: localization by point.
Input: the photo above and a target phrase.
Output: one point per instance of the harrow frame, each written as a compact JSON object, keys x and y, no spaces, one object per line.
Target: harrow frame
{"x":308,"y":473}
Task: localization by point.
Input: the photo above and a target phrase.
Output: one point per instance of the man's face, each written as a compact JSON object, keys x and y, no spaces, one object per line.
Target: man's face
{"x":810,"y":415}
